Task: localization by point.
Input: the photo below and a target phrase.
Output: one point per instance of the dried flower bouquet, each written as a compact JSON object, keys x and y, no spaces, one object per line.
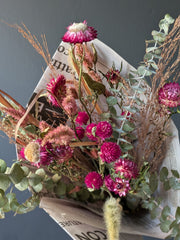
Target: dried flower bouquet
{"x":104,"y":140}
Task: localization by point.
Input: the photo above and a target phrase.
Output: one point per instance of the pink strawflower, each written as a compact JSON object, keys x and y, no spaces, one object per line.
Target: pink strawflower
{"x":56,"y":90}
{"x":80,"y":132}
{"x":69,"y":105}
{"x":62,"y":135}
{"x":109,"y":183}
{"x":110,"y":152}
{"x":93,"y":180}
{"x":113,"y":76}
{"x":63,"y":153}
{"x":79,"y":33}
{"x":82,"y":118}
{"x":126,"y":168}
{"x":104,"y":130}
{"x":121,"y":187}
{"x":169,"y":95}
{"x":90,"y":130}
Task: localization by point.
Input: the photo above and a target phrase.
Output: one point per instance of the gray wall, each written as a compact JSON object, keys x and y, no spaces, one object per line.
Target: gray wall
{"x":121,"y":24}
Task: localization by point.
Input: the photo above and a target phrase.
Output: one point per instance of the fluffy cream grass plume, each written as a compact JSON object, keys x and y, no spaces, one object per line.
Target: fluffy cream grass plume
{"x":112,"y":217}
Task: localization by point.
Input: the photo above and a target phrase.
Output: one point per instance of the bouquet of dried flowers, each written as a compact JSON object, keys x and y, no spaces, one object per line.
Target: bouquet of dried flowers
{"x":107,"y":144}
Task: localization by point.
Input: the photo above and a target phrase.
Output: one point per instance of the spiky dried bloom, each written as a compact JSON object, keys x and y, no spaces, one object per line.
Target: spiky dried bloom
{"x":16,"y":114}
{"x":69,"y":105}
{"x":126,"y":168}
{"x":93,"y":180}
{"x":62,"y":153}
{"x":121,"y":187}
{"x":62,"y":135}
{"x":110,"y":152}
{"x":112,"y":217}
{"x":104,"y":130}
{"x":82,"y":51}
{"x":153,"y":119}
{"x":56,"y":90}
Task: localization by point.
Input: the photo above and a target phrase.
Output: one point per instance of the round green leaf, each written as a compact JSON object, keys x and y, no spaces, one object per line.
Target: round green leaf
{"x":4,"y":181}
{"x":3,"y":166}
{"x":38,"y":188}
{"x":41,"y":172}
{"x":34,"y":179}
{"x":111,"y":101}
{"x":23,"y":185}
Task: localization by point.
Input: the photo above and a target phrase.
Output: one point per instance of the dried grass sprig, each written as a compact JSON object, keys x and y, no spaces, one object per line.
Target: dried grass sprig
{"x":154,"y":118}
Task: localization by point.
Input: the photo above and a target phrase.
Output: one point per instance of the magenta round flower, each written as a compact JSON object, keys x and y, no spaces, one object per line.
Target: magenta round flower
{"x":126,"y":168}
{"x":109,"y":183}
{"x":80,"y":132}
{"x":62,"y":153}
{"x":82,"y":118}
{"x":56,"y":90}
{"x":93,"y":180}
{"x":79,"y":33}
{"x":90,"y":130}
{"x":121,"y":187}
{"x":110,"y":152}
{"x":169,"y":95}
{"x":21,"y":154}
{"x":104,"y":130}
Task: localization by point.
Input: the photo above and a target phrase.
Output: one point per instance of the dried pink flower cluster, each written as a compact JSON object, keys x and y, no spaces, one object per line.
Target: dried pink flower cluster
{"x":113,"y":76}
{"x":69,"y":105}
{"x":90,"y":131}
{"x":56,"y":90}
{"x":126,"y":168}
{"x":104,"y":130}
{"x":119,"y":186}
{"x":110,"y":152}
{"x":93,"y":180}
{"x":169,"y":95}
{"x":62,"y":135}
{"x":62,"y":153}
{"x":79,"y":33}
{"x":82,"y":118}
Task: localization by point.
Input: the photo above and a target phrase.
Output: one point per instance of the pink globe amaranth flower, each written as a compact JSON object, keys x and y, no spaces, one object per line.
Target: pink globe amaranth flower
{"x":104,"y":130}
{"x":121,"y":187}
{"x":46,"y":154}
{"x":169,"y":95}
{"x":93,"y":180}
{"x":82,"y":118}
{"x":110,"y":152}
{"x":62,"y":153}
{"x":126,"y":168}
{"x":80,"y":132}
{"x":79,"y":33}
{"x":56,"y":90}
{"x":89,"y":131}
{"x":69,"y":105}
{"x":109,"y":183}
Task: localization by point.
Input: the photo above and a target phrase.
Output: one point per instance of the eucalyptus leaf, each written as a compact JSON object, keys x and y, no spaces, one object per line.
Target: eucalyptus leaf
{"x":165,"y":213}
{"x":165,"y":226}
{"x":175,"y":173}
{"x":169,"y":19}
{"x":38,"y":188}
{"x":23,"y":185}
{"x":177,"y":216}
{"x":60,"y":189}
{"x":3,"y":198}
{"x":3,"y":166}
{"x":34,"y":179}
{"x":31,"y":129}
{"x":163,"y":174}
{"x":153,"y":182}
{"x":41,"y":173}
{"x":4,"y":181}
{"x":16,"y":173}
{"x":111,"y":101}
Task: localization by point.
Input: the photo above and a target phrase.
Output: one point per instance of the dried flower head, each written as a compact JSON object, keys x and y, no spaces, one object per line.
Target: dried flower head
{"x":90,"y":131}
{"x":126,"y":168}
{"x":79,"y":33}
{"x":56,"y":90}
{"x":110,"y":152}
{"x":69,"y":105}
{"x":62,"y":153}
{"x":169,"y":95}
{"x":104,"y":130}
{"x":109,"y":183}
{"x":121,"y":187}
{"x":82,"y":118}
{"x":93,"y":180}
{"x":80,"y":132}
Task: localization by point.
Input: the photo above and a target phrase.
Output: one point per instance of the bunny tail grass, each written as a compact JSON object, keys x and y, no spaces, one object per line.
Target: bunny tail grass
{"x":112,"y":217}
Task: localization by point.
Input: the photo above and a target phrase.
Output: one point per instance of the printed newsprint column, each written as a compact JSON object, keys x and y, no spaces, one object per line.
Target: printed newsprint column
{"x":137,"y":225}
